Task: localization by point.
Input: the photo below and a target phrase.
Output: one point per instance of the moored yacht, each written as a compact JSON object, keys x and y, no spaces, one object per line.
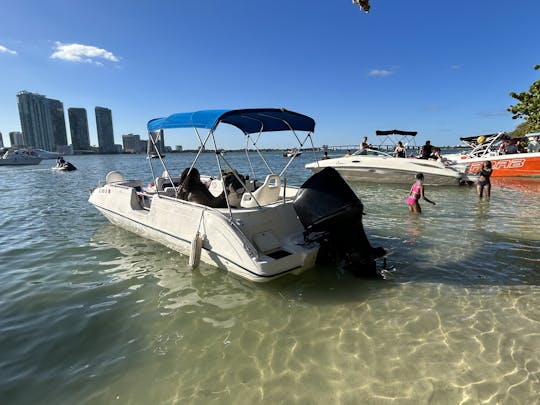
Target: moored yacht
{"x":18,"y":157}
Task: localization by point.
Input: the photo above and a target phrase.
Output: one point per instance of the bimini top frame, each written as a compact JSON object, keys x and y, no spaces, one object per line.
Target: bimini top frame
{"x":252,"y":122}
{"x":391,"y":137}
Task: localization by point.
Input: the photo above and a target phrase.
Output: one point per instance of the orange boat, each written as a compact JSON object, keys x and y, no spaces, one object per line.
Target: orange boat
{"x":491,"y":147}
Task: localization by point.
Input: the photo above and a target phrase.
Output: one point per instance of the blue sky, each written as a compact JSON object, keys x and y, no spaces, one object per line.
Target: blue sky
{"x":442,"y":68}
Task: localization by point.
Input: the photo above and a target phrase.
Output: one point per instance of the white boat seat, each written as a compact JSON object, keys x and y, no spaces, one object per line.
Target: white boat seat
{"x":114,"y":177}
{"x":268,"y":193}
{"x":163,"y":182}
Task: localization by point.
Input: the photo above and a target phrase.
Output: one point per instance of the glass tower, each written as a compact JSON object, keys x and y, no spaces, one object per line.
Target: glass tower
{"x":78,"y":128}
{"x":42,"y":121}
{"x":105,"y":130}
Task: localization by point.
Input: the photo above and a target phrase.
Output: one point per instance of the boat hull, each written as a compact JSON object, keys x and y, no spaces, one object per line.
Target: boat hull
{"x":515,"y":165}
{"x":260,"y":244}
{"x":20,"y":161}
{"x":390,"y":170}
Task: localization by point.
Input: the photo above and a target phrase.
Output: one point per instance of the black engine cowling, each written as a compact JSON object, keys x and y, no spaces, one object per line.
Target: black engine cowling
{"x":332,"y":213}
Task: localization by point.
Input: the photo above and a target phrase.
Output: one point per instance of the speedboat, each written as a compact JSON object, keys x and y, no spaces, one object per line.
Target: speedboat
{"x":266,"y":227}
{"x":378,"y":166}
{"x":488,"y":148}
{"x":154,"y":155}
{"x":292,"y":152}
{"x":19,"y":157}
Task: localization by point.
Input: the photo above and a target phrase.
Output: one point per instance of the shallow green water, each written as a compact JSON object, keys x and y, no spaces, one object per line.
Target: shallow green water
{"x":91,"y":314}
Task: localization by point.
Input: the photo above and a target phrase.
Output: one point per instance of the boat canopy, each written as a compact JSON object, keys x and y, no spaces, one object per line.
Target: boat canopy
{"x":396,"y":132}
{"x":247,"y":120}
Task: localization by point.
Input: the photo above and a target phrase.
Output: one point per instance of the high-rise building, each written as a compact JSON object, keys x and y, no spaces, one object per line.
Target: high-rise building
{"x":16,"y":138}
{"x":105,"y":130}
{"x":58,"y":121}
{"x":42,"y":121}
{"x":78,"y":128}
{"x":132,"y":143}
{"x":1,"y":141}
{"x":158,"y":139}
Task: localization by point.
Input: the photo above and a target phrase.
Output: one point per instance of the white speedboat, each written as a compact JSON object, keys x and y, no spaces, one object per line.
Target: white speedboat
{"x":491,"y":147}
{"x":154,"y":155}
{"x":375,"y":165}
{"x":19,"y":157}
{"x":265,"y":229}
{"x":292,"y":152}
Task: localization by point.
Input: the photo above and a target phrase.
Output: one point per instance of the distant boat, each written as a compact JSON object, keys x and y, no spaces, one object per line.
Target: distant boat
{"x":63,"y":166}
{"x":292,"y":152}
{"x":154,"y":155}
{"x":19,"y":157}
{"x":44,"y":154}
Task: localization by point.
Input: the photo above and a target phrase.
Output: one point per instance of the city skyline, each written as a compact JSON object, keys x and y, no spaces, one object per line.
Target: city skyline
{"x":43,"y":124}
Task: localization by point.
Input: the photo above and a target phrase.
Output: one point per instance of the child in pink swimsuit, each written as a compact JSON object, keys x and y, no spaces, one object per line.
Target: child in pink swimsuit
{"x":417,"y":192}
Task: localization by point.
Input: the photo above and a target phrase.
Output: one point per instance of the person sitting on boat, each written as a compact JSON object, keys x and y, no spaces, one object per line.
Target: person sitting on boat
{"x":349,"y":153}
{"x":416,"y":193}
{"x":364,"y":146}
{"x":533,"y":145}
{"x":399,"y":151}
{"x":325,"y":155}
{"x":197,"y":192}
{"x":511,"y":147}
{"x":437,"y":155}
{"x":60,"y":161}
{"x":426,"y":150}
{"x":484,"y":180}
{"x":520,"y":146}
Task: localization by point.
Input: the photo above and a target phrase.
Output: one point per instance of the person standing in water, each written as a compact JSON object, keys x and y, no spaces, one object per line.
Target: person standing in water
{"x":416,"y":193}
{"x":484,"y":180}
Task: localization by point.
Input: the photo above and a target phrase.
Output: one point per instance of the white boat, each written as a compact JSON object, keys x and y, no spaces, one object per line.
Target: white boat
{"x":154,"y":155}
{"x":375,"y":165}
{"x":292,"y":153}
{"x":491,"y":148}
{"x":45,"y":154}
{"x":265,"y":229}
{"x":18,"y":157}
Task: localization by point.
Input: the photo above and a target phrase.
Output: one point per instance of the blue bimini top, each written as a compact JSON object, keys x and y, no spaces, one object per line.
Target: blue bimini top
{"x":249,"y":121}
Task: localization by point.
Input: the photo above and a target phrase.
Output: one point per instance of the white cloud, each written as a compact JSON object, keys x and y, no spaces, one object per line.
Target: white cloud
{"x":3,"y":49}
{"x":82,"y":53}
{"x":380,"y":72}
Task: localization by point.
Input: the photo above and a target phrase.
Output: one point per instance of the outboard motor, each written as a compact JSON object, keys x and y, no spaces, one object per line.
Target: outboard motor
{"x":332,"y":215}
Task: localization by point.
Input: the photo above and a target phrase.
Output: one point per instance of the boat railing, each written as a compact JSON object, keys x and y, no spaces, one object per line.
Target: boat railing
{"x":371,"y":152}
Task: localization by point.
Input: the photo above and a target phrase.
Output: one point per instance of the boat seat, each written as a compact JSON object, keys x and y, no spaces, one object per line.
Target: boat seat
{"x":268,"y":193}
{"x":114,"y":177}
{"x":163,"y":182}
